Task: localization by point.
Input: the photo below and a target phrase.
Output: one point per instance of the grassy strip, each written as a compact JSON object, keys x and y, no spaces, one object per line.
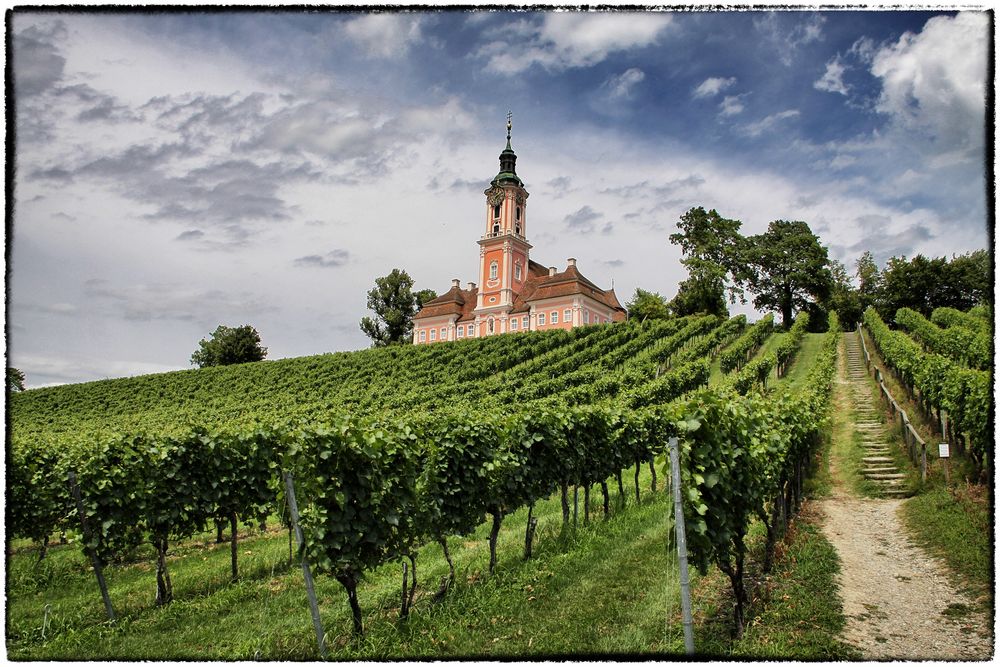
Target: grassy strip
{"x":802,"y":364}
{"x":954,"y":524}
{"x":800,"y":614}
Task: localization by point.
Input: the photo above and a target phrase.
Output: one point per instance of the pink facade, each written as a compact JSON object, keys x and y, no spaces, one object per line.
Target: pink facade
{"x":514,"y":292}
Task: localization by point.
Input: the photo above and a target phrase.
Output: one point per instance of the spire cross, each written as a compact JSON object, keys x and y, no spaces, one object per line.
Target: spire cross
{"x":509,"y":116}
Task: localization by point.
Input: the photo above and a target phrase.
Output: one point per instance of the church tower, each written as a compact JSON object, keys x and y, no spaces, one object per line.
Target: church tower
{"x":504,"y":247}
{"x":514,"y":293}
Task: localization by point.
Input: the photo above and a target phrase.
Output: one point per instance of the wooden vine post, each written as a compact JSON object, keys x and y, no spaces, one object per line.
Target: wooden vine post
{"x":306,"y":572}
{"x":95,"y":561}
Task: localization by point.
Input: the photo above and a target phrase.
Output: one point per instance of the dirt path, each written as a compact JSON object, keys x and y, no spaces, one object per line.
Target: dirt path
{"x":898,"y":601}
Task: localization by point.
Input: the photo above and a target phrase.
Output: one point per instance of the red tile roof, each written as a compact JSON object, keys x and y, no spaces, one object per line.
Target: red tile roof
{"x":539,"y":285}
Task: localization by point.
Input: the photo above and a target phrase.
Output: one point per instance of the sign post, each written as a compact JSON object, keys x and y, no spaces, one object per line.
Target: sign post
{"x":944,"y":453}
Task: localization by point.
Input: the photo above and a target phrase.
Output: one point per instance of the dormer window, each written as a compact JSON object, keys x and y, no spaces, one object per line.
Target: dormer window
{"x":493,"y":270}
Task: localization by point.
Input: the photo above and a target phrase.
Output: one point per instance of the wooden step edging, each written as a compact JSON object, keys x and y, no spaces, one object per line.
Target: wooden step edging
{"x":915,"y":445}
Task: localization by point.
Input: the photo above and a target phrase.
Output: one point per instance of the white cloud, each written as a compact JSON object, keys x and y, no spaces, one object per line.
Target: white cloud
{"x":832,"y":80}
{"x":787,"y":40}
{"x":934,"y":82}
{"x":731,"y":105}
{"x":384,"y":35}
{"x":566,"y":40}
{"x":766,"y":123}
{"x":712,"y":86}
{"x":620,"y":87}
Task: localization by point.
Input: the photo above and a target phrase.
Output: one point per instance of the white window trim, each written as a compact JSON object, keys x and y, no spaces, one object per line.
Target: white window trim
{"x":513,"y":324}
{"x":434,"y":334}
{"x":494,"y":268}
{"x":555,"y":317}
{"x":423,"y":335}
{"x":460,"y":332}
{"x":568,"y":315}
{"x":541,"y":319}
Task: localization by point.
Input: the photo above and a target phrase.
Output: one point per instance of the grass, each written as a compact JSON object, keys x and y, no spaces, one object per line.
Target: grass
{"x":798,"y":372}
{"x":800,"y":605}
{"x":954,"y":524}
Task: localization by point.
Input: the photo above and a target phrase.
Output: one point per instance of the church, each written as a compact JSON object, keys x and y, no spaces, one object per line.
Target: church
{"x":516,"y":293}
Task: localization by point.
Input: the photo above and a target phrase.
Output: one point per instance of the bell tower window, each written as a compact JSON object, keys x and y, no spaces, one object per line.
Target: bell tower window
{"x":496,"y":211}
{"x":493,"y":270}
{"x":517,"y":213}
{"x":517,"y":271}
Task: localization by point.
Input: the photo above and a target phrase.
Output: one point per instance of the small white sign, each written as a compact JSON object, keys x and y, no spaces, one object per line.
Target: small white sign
{"x":943,"y":451}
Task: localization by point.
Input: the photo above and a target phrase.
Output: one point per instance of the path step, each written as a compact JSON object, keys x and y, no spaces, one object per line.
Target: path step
{"x":877,"y":459}
{"x":885,"y":475}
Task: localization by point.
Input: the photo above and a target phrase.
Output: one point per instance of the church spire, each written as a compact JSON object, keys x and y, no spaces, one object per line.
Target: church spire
{"x":507,"y":160}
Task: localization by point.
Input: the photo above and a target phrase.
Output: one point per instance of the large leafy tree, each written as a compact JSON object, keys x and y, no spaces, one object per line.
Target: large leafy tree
{"x":787,"y":268}
{"x":647,"y":306}
{"x":704,"y":291}
{"x":844,"y":298}
{"x":923,"y":284}
{"x":711,"y":246}
{"x":15,"y":379}
{"x":394,"y":304}
{"x":229,"y":345}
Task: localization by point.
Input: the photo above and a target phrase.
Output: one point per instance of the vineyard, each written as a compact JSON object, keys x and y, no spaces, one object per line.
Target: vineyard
{"x":395,"y":449}
{"x":945,"y":370}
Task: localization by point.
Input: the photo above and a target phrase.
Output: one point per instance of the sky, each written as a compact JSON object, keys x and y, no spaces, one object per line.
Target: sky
{"x":177,"y":171}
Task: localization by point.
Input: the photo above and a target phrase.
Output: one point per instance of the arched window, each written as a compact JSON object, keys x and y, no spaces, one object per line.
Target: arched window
{"x":489,"y":325}
{"x":493,"y":270}
{"x":517,"y":213}
{"x":496,"y":211}
{"x":517,"y":271}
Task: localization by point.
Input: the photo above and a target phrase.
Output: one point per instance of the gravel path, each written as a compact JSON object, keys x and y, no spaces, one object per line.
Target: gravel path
{"x":897,"y":598}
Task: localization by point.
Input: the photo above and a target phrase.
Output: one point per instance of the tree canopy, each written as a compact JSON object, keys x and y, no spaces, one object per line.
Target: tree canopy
{"x":229,"y":345}
{"x":394,"y":304}
{"x":15,"y":379}
{"x":787,"y":268}
{"x":711,"y":247}
{"x":647,"y":306}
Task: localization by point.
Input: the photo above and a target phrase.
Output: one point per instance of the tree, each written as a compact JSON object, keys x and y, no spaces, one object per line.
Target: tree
{"x":15,"y":379}
{"x":647,"y":306}
{"x":711,"y":245}
{"x":787,"y":268}
{"x":843,"y":297}
{"x":229,"y":345}
{"x":423,"y":296}
{"x":394,"y":304}
{"x":704,"y":291}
